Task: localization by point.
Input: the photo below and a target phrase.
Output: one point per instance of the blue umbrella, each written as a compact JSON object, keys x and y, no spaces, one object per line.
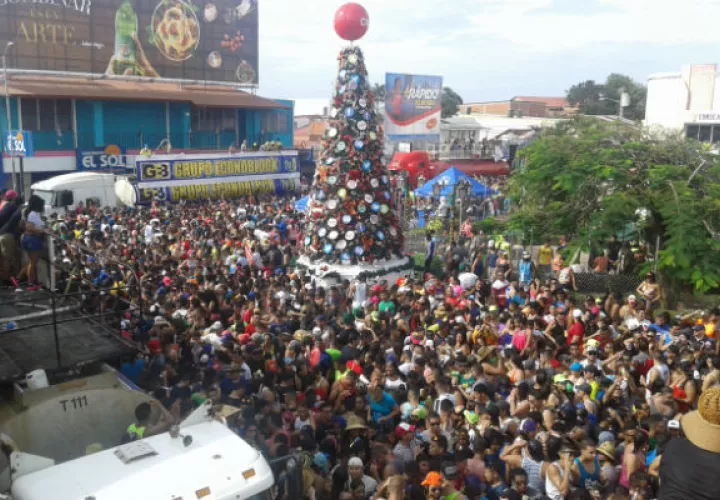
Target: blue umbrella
{"x":448,"y":180}
{"x":302,"y":203}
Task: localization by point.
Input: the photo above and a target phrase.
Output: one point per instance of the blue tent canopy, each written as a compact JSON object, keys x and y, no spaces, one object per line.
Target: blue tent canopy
{"x":449,"y":178}
{"x":302,"y":203}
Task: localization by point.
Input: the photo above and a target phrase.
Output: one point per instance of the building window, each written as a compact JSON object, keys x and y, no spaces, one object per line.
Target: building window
{"x":276,"y":122}
{"x":213,"y":119}
{"x":703,"y":133}
{"x":50,"y":115}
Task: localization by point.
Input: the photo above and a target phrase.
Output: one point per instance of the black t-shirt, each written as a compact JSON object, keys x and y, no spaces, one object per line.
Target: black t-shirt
{"x":688,"y":472}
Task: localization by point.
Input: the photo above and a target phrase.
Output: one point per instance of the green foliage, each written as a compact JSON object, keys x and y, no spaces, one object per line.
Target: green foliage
{"x":378,"y":91}
{"x":436,"y":225}
{"x":490,"y":226}
{"x":450,"y":102}
{"x":591,"y":180}
{"x":602,"y":98}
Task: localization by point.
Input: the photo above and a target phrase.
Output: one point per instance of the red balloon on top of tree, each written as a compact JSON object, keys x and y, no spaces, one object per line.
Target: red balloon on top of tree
{"x":351,"y":21}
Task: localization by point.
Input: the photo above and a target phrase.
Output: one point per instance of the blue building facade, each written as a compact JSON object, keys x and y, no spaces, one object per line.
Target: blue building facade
{"x":63,"y":126}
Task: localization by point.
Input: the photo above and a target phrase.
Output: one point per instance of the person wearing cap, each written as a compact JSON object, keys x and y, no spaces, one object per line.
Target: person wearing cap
{"x":407,"y":447}
{"x":433,"y":483}
{"x":359,"y":484}
{"x":526,"y":270}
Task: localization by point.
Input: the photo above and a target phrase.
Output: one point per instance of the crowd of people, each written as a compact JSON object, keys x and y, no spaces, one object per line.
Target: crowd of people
{"x":491,"y":380}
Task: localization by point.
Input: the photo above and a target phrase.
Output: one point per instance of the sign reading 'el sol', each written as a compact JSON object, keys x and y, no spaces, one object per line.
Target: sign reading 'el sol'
{"x":111,"y":158}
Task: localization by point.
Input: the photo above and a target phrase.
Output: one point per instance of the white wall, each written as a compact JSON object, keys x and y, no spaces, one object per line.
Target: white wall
{"x":674,"y":99}
{"x":667,"y":99}
{"x":43,"y":164}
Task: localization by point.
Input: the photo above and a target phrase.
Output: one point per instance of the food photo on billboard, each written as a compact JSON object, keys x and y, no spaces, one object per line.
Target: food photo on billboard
{"x":194,"y":40}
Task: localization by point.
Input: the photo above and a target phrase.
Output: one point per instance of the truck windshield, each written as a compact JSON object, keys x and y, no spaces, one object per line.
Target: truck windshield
{"x":47,"y":196}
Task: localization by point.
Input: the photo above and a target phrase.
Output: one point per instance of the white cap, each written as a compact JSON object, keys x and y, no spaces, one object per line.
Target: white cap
{"x":632,"y":297}
{"x":673,"y":424}
{"x":577,"y":313}
{"x":491,"y":244}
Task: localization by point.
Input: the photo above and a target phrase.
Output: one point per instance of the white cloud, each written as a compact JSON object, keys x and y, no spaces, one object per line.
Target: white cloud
{"x":662,"y":22}
{"x":475,"y":43}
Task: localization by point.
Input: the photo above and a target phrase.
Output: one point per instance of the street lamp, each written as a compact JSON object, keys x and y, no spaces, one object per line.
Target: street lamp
{"x":462,"y":191}
{"x":8,"y":46}
{"x":622,"y":103}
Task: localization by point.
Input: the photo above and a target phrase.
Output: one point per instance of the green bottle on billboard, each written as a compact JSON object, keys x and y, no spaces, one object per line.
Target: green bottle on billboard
{"x":126,"y":25}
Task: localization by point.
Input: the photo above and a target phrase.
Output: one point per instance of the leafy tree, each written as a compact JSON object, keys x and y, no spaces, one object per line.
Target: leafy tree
{"x":450,"y":102}
{"x":591,"y":180}
{"x":378,"y":91}
{"x":602,"y":99}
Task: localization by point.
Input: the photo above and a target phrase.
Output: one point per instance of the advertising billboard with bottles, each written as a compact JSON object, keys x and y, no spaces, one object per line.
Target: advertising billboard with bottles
{"x":413,"y":106}
{"x":209,"y":40}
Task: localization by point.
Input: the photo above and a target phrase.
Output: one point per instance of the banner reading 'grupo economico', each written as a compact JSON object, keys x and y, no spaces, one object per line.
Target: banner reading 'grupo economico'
{"x":413,"y":106}
{"x":214,"y":177}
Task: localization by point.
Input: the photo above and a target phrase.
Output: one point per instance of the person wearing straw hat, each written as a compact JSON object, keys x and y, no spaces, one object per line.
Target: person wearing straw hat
{"x":690,"y":464}
{"x":608,"y":471}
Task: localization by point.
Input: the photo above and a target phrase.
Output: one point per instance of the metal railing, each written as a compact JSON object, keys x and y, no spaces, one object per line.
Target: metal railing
{"x":475,"y":151}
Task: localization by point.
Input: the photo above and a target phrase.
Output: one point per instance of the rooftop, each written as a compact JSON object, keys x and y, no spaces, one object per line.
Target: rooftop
{"x":97,"y":89}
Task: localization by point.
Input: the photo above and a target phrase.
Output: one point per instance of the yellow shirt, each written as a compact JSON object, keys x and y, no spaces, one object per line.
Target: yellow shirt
{"x":545,"y":255}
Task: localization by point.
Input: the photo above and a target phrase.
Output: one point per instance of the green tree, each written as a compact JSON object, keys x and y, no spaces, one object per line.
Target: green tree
{"x":450,"y":102}
{"x":591,"y":180}
{"x":603,"y":99}
{"x":378,"y":91}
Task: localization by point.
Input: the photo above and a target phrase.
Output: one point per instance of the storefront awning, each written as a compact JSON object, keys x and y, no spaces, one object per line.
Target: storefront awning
{"x":75,"y":88}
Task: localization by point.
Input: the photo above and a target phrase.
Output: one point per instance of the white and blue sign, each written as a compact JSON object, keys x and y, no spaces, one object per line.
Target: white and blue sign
{"x":19,"y":143}
{"x":110,"y":158}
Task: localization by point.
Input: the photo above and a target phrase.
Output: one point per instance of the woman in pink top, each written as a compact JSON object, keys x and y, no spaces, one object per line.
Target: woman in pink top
{"x":633,"y":459}
{"x":522,"y":337}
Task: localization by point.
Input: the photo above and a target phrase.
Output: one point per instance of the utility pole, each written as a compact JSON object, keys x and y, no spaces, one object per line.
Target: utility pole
{"x":8,"y":46}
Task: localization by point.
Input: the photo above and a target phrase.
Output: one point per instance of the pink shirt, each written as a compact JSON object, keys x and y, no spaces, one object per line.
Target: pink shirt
{"x":520,"y":339}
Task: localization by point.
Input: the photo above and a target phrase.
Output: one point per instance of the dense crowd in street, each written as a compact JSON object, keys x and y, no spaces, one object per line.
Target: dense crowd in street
{"x":493,"y":379}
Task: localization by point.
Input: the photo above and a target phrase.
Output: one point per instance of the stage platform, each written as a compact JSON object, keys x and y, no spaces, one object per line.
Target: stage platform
{"x":30,"y":342}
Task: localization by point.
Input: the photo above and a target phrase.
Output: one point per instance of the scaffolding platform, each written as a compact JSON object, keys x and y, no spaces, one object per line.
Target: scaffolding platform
{"x":39,"y":329}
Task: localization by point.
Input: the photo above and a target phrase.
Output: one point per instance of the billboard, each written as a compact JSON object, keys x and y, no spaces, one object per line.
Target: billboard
{"x":216,"y":40}
{"x":223,"y":189}
{"x":111,"y":158}
{"x":413,"y":105}
{"x":195,"y":169}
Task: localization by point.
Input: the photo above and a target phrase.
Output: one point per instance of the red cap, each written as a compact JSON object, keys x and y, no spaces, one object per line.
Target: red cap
{"x":244,"y":338}
{"x":354,"y":366}
{"x":10,"y":194}
{"x":404,"y":429}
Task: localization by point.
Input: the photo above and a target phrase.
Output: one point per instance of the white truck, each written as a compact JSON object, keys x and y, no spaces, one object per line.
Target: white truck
{"x":60,"y":446}
{"x":65,"y":192}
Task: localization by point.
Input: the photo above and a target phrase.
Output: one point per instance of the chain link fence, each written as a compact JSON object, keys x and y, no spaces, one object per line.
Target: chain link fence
{"x":586,"y":282}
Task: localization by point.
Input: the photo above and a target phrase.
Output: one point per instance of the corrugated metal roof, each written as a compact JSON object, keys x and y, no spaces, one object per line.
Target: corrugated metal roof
{"x":69,"y":88}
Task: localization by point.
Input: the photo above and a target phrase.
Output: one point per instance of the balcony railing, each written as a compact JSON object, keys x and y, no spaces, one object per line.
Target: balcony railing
{"x":464,"y":152}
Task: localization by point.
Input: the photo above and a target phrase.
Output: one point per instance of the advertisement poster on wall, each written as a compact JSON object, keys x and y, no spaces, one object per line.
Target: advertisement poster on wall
{"x":209,"y":40}
{"x":413,"y":106}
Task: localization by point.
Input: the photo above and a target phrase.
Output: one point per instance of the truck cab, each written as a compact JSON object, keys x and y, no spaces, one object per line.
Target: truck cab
{"x":64,"y":193}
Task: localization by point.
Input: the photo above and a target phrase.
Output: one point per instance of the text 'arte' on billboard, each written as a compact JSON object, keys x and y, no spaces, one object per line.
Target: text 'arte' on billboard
{"x":211,"y":40}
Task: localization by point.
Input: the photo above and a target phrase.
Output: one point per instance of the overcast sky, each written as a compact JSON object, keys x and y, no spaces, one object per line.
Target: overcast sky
{"x":487,"y":49}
